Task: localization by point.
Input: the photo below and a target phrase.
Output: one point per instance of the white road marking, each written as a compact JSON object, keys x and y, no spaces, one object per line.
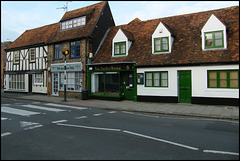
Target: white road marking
{"x":3,"y":118}
{"x":5,"y":134}
{"x":97,"y":114}
{"x":58,"y":105}
{"x":54,"y":122}
{"x":18,"y":111}
{"x":161,"y":140}
{"x":220,"y":152}
{"x":112,"y":112}
{"x":44,"y":108}
{"x":32,"y":127}
{"x":24,"y":123}
{"x":81,"y":117}
{"x":88,"y":127}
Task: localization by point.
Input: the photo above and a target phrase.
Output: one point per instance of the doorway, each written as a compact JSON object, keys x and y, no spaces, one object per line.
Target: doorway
{"x":128,"y":85}
{"x":30,"y":83}
{"x":55,"y":84}
{"x":184,"y":86}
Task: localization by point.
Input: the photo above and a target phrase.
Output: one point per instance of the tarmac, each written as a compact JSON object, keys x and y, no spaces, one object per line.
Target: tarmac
{"x":177,"y":109}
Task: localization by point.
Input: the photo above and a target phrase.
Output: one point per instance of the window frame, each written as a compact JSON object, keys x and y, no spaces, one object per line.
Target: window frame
{"x":17,"y":81}
{"x":73,"y":23}
{"x":31,"y":56}
{"x":57,"y":47}
{"x":120,"y":48}
{"x":153,"y":79}
{"x":228,"y":79}
{"x":16,"y":54}
{"x":161,"y":44}
{"x":37,"y":78}
{"x":75,"y":49}
{"x":213,"y":40}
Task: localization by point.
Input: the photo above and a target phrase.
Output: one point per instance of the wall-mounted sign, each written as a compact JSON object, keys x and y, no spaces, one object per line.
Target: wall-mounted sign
{"x":111,"y":67}
{"x":70,"y":67}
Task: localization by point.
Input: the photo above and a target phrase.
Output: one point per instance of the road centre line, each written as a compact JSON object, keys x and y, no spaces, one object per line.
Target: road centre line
{"x":161,"y":140}
{"x":220,"y":152}
{"x":88,"y":127}
{"x":54,"y":122}
{"x":97,"y":114}
{"x":81,"y":117}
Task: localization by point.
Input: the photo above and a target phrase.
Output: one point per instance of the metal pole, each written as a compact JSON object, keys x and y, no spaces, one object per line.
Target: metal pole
{"x":65,"y":79}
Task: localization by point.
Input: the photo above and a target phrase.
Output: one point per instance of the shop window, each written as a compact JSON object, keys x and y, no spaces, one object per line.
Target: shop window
{"x":17,"y":82}
{"x":74,"y":81}
{"x":223,"y":79}
{"x":38,"y":79}
{"x":106,"y":84}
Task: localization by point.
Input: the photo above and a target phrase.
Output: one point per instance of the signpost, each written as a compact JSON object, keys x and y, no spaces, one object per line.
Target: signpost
{"x":65,"y":53}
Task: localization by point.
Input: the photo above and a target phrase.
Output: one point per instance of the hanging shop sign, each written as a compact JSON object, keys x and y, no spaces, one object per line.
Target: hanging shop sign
{"x":70,"y":67}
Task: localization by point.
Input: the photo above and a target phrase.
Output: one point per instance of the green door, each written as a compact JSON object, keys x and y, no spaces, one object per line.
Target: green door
{"x":185,"y":90}
{"x":128,"y":85}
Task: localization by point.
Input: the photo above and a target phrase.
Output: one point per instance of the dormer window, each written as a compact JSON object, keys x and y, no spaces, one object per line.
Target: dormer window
{"x":214,"y":39}
{"x":121,"y":43}
{"x":161,"y":44}
{"x":73,"y":23}
{"x":120,"y":48}
{"x":214,"y":35}
{"x":161,"y":40}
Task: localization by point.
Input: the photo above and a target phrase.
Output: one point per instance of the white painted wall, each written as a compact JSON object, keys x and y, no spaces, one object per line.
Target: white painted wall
{"x":199,"y":82}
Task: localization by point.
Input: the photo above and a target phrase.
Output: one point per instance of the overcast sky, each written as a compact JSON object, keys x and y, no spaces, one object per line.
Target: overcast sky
{"x":19,"y":16}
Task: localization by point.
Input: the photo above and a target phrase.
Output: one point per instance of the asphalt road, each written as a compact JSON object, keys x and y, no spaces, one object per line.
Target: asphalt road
{"x":35,"y":130}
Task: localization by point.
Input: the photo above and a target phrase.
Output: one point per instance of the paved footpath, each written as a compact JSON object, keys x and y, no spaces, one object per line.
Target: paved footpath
{"x":181,"y":109}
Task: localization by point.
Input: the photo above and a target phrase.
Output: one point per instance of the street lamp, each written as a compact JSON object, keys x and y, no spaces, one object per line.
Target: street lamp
{"x":65,"y":53}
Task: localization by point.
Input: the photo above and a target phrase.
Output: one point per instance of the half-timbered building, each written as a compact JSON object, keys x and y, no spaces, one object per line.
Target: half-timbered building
{"x":26,"y":61}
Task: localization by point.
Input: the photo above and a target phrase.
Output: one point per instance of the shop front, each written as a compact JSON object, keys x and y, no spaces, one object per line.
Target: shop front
{"x":114,"y":81}
{"x":73,"y":79}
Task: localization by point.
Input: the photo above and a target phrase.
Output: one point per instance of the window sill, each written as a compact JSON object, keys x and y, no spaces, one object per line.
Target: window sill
{"x":210,"y":49}
{"x":57,"y":59}
{"x":74,"y":57}
{"x":164,"y":52}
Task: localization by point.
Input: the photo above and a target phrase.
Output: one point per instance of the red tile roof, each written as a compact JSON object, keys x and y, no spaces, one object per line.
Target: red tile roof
{"x":92,"y":13}
{"x":51,"y":33}
{"x":187,"y":45}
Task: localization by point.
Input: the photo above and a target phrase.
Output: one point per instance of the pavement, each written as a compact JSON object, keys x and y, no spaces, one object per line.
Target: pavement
{"x":179,"y":109}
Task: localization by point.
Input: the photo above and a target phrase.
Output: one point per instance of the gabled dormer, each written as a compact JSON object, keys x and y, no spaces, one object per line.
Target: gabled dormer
{"x":162,"y":40}
{"x":121,"y":43}
{"x":214,"y":35}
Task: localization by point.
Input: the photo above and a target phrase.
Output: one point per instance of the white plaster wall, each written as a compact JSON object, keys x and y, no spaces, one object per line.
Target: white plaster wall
{"x":199,"y":82}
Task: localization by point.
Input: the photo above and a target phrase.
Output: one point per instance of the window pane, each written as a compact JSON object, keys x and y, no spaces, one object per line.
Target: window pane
{"x":149,"y":83}
{"x":213,"y":83}
{"x":123,"y":47}
{"x":116,"y":48}
{"x":209,"y":43}
{"x":218,"y":42}
{"x":233,"y":75}
{"x":223,"y":75}
{"x":164,"y":75}
{"x":212,"y":75}
{"x":156,"y":79}
{"x":164,"y":83}
{"x":157,"y":45}
{"x":148,"y":79}
{"x":149,"y":75}
{"x":218,"y":35}
{"x":234,"y":83}
{"x":223,"y":83}
{"x":165,"y":43}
